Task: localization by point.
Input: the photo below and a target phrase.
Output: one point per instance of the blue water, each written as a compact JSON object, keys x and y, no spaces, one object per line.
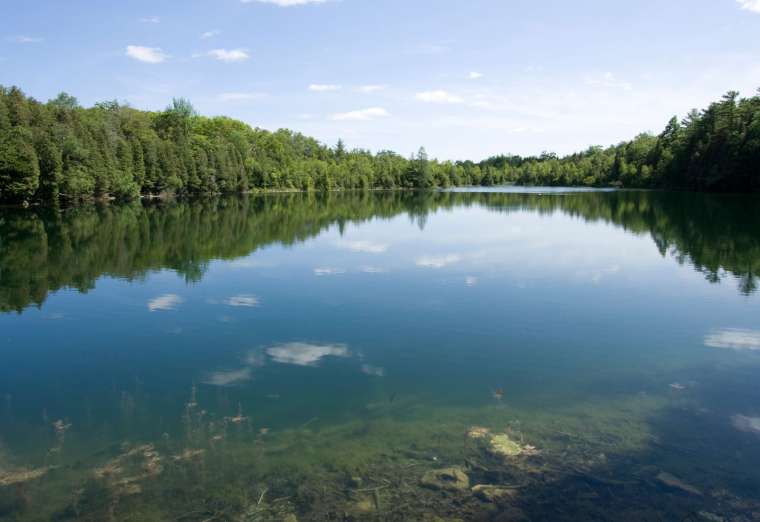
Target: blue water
{"x":626,"y":319}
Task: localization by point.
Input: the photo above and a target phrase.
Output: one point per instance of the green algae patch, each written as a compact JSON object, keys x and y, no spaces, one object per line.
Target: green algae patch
{"x":502,"y":445}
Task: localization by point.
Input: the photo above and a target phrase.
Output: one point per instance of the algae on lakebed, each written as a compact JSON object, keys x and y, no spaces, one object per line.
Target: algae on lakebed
{"x":370,"y":467}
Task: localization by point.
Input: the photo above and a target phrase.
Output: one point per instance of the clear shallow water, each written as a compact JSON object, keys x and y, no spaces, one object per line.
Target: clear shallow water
{"x":317,"y":348}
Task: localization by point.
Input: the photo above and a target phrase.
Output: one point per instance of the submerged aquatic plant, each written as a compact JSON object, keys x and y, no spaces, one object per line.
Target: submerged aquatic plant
{"x":123,"y":473}
{"x":19,"y":476}
{"x":239,"y":418}
{"x":502,"y":445}
{"x":478,"y":432}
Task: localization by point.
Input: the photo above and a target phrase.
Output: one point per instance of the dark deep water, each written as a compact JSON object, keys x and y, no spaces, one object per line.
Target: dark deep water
{"x":175,"y":361}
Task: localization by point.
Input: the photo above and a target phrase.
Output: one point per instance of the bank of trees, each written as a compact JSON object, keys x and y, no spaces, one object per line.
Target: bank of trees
{"x":717,"y":149}
{"x":61,"y":151}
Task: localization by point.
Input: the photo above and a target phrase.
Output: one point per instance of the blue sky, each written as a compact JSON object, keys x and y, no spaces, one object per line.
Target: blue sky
{"x":466,"y":79}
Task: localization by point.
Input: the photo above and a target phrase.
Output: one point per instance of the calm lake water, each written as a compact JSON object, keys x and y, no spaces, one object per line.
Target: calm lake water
{"x":584,"y":354}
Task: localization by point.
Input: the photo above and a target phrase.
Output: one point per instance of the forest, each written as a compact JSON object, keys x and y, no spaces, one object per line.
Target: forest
{"x":58,"y":151}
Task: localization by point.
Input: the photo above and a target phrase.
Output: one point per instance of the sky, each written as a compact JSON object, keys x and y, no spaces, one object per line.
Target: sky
{"x":465,"y":79}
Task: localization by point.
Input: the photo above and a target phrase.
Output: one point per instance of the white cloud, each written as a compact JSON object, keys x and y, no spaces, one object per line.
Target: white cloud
{"x":475,"y":76}
{"x":439,"y":261}
{"x":210,"y":34}
{"x":245,"y":301}
{"x":240,"y":96}
{"x":368,"y":89}
{"x":609,"y":81}
{"x":471,"y":281}
{"x":151,"y":20}
{"x":229,"y":55}
{"x":229,"y":378}
{"x":285,"y":3}
{"x":362,"y":246}
{"x":372,"y":113}
{"x":321,"y":87}
{"x":146,"y":54}
{"x":750,"y":5}
{"x":25,"y":39}
{"x":327,"y":271}
{"x":438,"y":97}
{"x":303,"y":354}
{"x":164,"y":302}
{"x":734,"y":339}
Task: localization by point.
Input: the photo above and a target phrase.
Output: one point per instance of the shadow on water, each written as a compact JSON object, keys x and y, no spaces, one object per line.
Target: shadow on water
{"x":716,"y":234}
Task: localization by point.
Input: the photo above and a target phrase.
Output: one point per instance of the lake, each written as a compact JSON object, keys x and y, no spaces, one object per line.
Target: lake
{"x":510,"y":354}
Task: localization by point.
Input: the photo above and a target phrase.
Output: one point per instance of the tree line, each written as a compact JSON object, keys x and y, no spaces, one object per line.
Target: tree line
{"x":61,"y":151}
{"x":714,"y":150}
{"x":73,"y":248}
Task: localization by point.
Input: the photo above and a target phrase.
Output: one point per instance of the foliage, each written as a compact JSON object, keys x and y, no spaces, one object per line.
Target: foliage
{"x":717,"y":149}
{"x":72,"y":248}
{"x":55,"y":150}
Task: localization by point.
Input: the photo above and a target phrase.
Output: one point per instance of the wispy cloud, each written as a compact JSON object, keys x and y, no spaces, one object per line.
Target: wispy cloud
{"x":210,"y":34}
{"x":368,"y":89}
{"x":240,"y":96}
{"x":304,"y":354}
{"x":146,"y":54}
{"x":430,"y":49}
{"x":285,"y":3}
{"x":750,"y":5}
{"x":362,"y":246}
{"x":438,"y":97}
{"x":471,"y":281}
{"x":322,"y":87}
{"x":229,"y":55}
{"x":151,"y":20}
{"x":164,"y":303}
{"x":438,"y":261}
{"x":475,"y":76}
{"x":372,"y":113}
{"x":23,"y":39}
{"x":734,"y":339}
{"x":609,"y":80}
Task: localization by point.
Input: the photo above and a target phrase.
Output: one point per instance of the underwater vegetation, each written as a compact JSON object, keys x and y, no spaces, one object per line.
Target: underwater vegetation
{"x":398,"y":462}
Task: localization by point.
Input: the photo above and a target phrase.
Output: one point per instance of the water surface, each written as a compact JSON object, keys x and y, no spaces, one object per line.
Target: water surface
{"x":182,"y":358}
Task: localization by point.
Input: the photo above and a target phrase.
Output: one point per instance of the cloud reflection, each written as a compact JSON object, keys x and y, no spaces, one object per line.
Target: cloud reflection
{"x":328,"y":271}
{"x":374,"y":371}
{"x":229,"y":377}
{"x":438,"y":261}
{"x":245,"y":301}
{"x":367,"y":247}
{"x":304,"y":354}
{"x":164,"y":302}
{"x":734,"y":339}
{"x":372,"y":270}
{"x":746,"y":424}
